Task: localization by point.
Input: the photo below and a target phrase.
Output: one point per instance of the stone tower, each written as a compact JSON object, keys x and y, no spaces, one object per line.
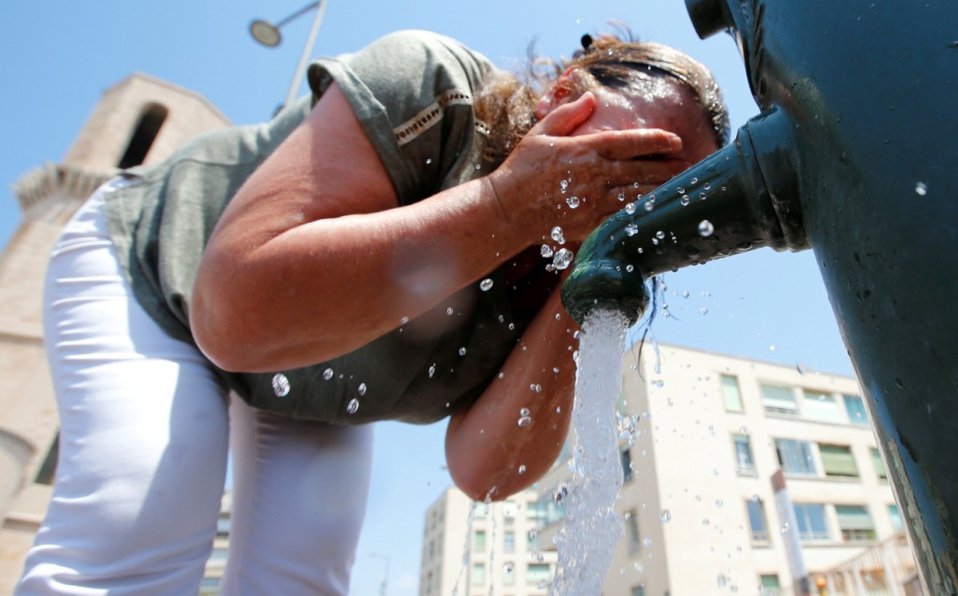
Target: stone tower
{"x":139,"y":120}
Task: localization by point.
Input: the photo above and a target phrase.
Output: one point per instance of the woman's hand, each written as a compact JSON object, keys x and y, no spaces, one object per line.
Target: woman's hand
{"x":553,"y":163}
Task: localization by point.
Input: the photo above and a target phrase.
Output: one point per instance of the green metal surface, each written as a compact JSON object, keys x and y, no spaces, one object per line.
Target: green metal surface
{"x":855,"y":155}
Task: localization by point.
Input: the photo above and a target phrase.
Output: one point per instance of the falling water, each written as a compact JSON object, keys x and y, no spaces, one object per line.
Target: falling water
{"x":587,"y":535}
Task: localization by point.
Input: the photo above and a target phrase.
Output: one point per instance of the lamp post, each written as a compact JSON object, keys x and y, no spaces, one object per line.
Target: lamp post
{"x":382,"y":588}
{"x":268,"y":34}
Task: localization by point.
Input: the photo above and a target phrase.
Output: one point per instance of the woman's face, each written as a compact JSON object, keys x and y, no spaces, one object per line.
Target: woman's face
{"x":668,"y":105}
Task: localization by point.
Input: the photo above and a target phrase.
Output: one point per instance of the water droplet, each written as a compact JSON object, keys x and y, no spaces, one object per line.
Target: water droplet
{"x":771,"y":348}
{"x":563,"y":185}
{"x":660,"y":234}
{"x":719,"y":502}
{"x":478,"y":166}
{"x":685,"y":294}
{"x":680,"y":190}
{"x":921,"y":189}
{"x":630,"y":208}
{"x":280,"y":385}
{"x":485,"y":285}
{"x":722,"y":581}
{"x":706,"y":228}
{"x":557,"y":235}
{"x":694,"y":180}
{"x":572,"y":202}
{"x":450,"y":311}
{"x":545,"y":251}
{"x":361,"y":390}
{"x":629,"y":268}
{"x":353,"y":406}
{"x":631,"y":229}
{"x":684,"y":200}
{"x":784,"y":529}
{"x":428,"y":161}
{"x":666,"y":516}
{"x":328,"y":374}
{"x":621,"y":197}
{"x":704,"y":311}
{"x":432,"y":370}
{"x":563,"y":258}
{"x":649,"y":205}
{"x":507,"y":568}
{"x":462,"y":351}
{"x":522,"y":469}
{"x":525,"y":420}
{"x":707,"y":186}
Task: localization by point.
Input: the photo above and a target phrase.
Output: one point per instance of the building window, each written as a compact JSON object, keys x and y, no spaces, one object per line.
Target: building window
{"x":509,"y":541}
{"x":509,"y":512}
{"x":879,"y":464}
{"x":819,"y":405}
{"x":895,"y":516}
{"x":855,"y":407}
{"x":147,"y":128}
{"x":769,"y":584}
{"x":478,"y":574}
{"x":637,"y":591}
{"x":744,"y":462}
{"x":838,"y":461}
{"x":795,"y":457}
{"x":532,"y":540}
{"x":428,"y":583}
{"x":537,"y":574}
{"x":811,"y":521}
{"x":509,"y":573}
{"x":626,"y":456}
{"x":855,"y":523}
{"x":731,"y":394}
{"x":632,"y":529}
{"x":479,"y":541}
{"x":756,"y":520}
{"x":779,"y":400}
{"x":432,"y":550}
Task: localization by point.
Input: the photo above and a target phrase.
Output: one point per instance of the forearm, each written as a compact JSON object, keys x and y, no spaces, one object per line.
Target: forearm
{"x":323,"y":288}
{"x":514,"y":432}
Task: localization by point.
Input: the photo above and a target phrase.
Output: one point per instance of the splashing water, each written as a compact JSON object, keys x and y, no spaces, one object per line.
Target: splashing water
{"x":587,"y":535}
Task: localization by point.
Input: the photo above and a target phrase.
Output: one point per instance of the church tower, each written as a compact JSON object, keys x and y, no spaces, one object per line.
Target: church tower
{"x":140,"y":120}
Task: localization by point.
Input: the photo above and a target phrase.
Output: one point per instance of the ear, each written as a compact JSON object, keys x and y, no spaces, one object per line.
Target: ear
{"x":557,"y":94}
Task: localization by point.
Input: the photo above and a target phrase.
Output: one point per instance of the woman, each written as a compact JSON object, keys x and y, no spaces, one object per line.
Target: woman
{"x":376,"y":251}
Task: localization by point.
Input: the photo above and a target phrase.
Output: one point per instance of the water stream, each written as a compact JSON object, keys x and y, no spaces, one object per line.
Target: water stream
{"x":587,"y":535}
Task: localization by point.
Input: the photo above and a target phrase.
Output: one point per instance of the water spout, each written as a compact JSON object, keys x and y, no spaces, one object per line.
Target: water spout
{"x":743,"y":197}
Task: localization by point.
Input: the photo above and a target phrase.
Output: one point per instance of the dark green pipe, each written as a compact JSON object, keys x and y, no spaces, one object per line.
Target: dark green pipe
{"x":856,"y":156}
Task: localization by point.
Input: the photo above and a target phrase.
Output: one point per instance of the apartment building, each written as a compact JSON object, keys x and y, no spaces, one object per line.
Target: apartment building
{"x":699,"y":511}
{"x":479,"y":548}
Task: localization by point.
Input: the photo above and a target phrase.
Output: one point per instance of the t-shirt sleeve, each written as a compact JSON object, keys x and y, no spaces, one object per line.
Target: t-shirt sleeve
{"x":412,"y":92}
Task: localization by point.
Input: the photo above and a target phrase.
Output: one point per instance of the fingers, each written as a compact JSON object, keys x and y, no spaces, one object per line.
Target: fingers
{"x":566,"y":118}
{"x":633,"y":143}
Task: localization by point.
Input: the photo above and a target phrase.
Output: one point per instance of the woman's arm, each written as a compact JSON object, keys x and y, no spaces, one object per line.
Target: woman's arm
{"x":313,"y":258}
{"x":489,"y":452}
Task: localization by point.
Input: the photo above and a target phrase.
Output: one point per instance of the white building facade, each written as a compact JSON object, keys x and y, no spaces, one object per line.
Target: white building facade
{"x":697,"y":504}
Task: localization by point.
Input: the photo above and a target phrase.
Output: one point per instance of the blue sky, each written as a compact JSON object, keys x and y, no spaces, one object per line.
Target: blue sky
{"x":58,"y":57}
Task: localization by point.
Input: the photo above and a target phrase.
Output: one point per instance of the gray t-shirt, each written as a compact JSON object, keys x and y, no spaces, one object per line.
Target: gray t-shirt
{"x":412,"y":92}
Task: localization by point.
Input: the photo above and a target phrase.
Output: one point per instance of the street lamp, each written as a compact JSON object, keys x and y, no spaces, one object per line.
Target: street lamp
{"x":268,"y":34}
{"x":382,"y":588}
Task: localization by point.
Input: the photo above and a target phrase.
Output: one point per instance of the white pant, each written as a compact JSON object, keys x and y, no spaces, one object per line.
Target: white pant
{"x":145,"y":426}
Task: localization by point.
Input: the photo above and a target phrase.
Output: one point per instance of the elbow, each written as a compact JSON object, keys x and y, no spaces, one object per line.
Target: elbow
{"x":222,"y":326}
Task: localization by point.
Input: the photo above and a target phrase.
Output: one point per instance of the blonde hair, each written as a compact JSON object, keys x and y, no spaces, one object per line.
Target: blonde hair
{"x":507,"y":102}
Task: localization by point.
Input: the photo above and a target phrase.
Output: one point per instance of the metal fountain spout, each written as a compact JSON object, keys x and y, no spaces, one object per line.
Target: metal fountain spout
{"x":854,"y":155}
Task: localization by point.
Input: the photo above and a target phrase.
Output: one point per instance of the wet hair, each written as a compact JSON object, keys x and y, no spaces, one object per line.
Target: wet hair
{"x":507,"y":102}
